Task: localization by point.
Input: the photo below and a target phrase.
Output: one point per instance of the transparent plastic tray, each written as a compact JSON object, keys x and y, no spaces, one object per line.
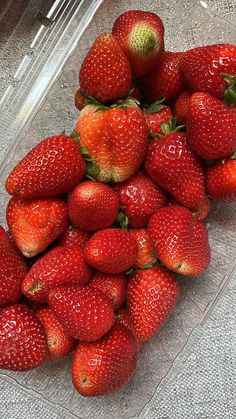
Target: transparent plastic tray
{"x":37,"y":100}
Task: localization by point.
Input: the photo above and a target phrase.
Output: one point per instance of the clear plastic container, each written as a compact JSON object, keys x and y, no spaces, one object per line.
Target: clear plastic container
{"x":37,"y":100}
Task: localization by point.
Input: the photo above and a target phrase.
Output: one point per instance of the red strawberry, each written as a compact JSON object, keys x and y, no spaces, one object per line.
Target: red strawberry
{"x":140,"y":198}
{"x":85,"y":313}
{"x":12,"y":272}
{"x":145,"y":256}
{"x":221,"y":180}
{"x":211,"y":128}
{"x":36,"y":223}
{"x":116,"y":139}
{"x":53,"y":167}
{"x":105,"y":73}
{"x":155,"y":115}
{"x":165,"y":79}
{"x":73,"y":236}
{"x":171,"y":163}
{"x":180,"y":240}
{"x":60,"y":266}
{"x":88,"y":206}
{"x":151,"y":296}
{"x":141,"y":37}
{"x":202,"y":68}
{"x":111,"y":250}
{"x":79,"y":99}
{"x":58,"y":341}
{"x":123,"y":317}
{"x":181,"y":107}
{"x":105,"y":366}
{"x":112,"y":285}
{"x":23,"y":344}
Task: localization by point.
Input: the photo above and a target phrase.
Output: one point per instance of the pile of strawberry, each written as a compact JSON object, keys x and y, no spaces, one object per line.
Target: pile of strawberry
{"x":99,"y":221}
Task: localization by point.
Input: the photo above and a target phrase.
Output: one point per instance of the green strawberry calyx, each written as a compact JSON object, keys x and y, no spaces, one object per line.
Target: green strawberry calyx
{"x":167,"y":128}
{"x":122,"y":103}
{"x":157,"y":106}
{"x":230,"y":92}
{"x":122,"y":220}
{"x":93,"y":169}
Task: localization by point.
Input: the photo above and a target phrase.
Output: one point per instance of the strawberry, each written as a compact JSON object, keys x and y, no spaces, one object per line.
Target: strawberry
{"x":211,"y":128}
{"x":115,"y":137}
{"x":111,"y":250}
{"x":140,"y":34}
{"x":155,"y":115}
{"x":12,"y":272}
{"x":221,"y":180}
{"x":105,"y":366}
{"x":165,"y":79}
{"x":79,"y":99}
{"x":171,"y":163}
{"x":52,"y":167}
{"x":112,"y":285}
{"x":85,"y":313}
{"x":36,"y":223}
{"x":181,"y":107}
{"x":23,"y":344}
{"x":58,"y":341}
{"x":88,"y":206}
{"x":151,"y":296}
{"x":145,"y":256}
{"x":60,"y":266}
{"x":123,"y":317}
{"x":73,"y":236}
{"x":139,"y":199}
{"x":202,"y":68}
{"x":105,"y":72}
{"x":180,"y":241}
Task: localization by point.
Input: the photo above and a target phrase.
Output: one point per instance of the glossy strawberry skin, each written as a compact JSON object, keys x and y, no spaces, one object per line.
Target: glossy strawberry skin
{"x":59,"y":342}
{"x":26,"y":220}
{"x":139,"y":198}
{"x":141,"y":36}
{"x":60,"y":266}
{"x":112,"y":285}
{"x":171,"y":163}
{"x":12,"y":272}
{"x":145,"y":255}
{"x":221,"y":180}
{"x":155,"y":119}
{"x":84,"y":313}
{"x":74,"y":236}
{"x":151,"y":296}
{"x":111,"y":250}
{"x":88,"y":206}
{"x":105,"y":366}
{"x":123,"y":317}
{"x":180,"y":240}
{"x":201,"y":68}
{"x":165,"y":79}
{"x":23,"y":343}
{"x":116,"y":138}
{"x":105,"y":72}
{"x":181,"y":106}
{"x":211,"y":127}
{"x":52,"y":167}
